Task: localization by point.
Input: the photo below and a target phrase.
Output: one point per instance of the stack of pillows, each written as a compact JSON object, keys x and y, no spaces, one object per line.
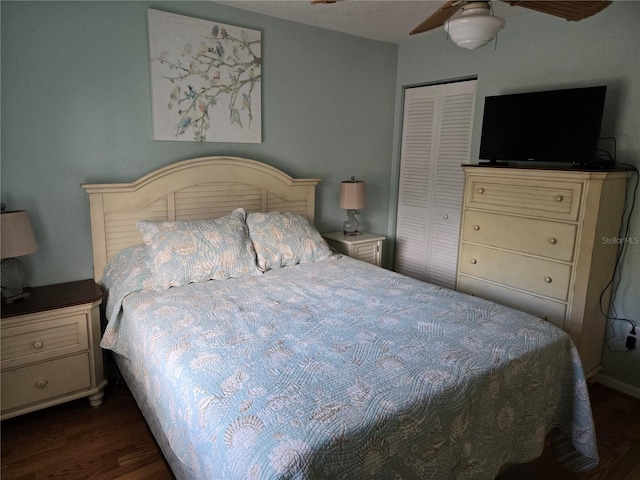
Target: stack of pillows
{"x":234,"y":246}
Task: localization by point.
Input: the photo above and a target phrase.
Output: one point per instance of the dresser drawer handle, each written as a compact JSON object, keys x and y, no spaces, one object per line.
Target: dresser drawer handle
{"x":559,"y":198}
{"x":42,"y":383}
{"x":445,"y":216}
{"x":547,"y":279}
{"x":476,"y":227}
{"x":553,"y":241}
{"x":481,"y":190}
{"x":473,"y":261}
{"x":38,"y":345}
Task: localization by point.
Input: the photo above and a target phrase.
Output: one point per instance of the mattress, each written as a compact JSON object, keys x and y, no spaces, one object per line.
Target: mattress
{"x":339,"y":369}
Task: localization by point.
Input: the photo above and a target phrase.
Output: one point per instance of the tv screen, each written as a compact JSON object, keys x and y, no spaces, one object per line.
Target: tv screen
{"x":548,"y":126}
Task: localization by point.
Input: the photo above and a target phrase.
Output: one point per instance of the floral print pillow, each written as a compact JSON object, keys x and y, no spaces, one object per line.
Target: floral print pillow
{"x":184,"y":252}
{"x":285,"y":238}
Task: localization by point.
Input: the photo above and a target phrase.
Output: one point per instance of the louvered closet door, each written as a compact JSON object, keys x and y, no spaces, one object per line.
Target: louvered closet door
{"x":436,"y":140}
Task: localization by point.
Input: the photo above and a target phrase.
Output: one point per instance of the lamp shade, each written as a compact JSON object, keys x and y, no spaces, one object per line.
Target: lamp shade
{"x":16,"y":234}
{"x":352,"y":195}
{"x":476,"y":27}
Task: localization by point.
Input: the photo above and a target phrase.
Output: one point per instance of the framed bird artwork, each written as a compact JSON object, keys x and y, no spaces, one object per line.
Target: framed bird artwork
{"x":206,"y":80}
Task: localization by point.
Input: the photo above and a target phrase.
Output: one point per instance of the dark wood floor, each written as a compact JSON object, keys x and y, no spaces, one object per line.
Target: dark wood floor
{"x":617,"y":419}
{"x":74,"y":441}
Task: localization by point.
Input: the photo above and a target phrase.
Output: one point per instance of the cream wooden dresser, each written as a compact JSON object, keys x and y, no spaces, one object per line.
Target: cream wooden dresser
{"x":50,"y":348}
{"x":535,"y":240}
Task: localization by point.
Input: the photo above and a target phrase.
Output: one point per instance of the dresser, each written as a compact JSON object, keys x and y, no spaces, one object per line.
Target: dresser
{"x":50,"y":348}
{"x":366,"y":246}
{"x":536,"y":240}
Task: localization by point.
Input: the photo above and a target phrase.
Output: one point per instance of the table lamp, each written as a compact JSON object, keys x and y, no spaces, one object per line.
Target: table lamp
{"x":352,"y":199}
{"x":17,"y":240}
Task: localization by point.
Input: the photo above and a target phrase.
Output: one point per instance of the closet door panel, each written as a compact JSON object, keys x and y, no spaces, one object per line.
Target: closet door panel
{"x":453,"y":144}
{"x":435,"y":142}
{"x":411,"y":259}
{"x":419,"y":130}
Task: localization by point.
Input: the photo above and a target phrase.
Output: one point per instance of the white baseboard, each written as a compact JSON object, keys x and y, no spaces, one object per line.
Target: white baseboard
{"x":618,"y":385}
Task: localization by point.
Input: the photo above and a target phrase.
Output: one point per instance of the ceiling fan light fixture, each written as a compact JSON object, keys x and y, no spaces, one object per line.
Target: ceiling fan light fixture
{"x":475,"y":27}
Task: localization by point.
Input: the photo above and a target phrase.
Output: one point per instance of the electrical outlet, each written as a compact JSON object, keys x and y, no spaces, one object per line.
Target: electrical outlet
{"x":631,"y":342}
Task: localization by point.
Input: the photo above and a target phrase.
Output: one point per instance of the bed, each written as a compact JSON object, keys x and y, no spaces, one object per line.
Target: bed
{"x":255,"y":352}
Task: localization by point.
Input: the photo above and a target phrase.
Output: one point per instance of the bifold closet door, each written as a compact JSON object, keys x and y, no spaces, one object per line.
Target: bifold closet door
{"x":436,"y":139}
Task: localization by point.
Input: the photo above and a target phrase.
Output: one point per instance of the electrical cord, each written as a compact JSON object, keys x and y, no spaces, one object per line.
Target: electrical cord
{"x":624,"y":231}
{"x":608,"y":156}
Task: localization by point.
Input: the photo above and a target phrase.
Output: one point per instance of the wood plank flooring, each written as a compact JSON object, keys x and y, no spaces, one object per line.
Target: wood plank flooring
{"x":617,"y":419}
{"x":74,"y":441}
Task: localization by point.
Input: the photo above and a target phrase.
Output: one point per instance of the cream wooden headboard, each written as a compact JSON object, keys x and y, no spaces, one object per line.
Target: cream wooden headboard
{"x":207,"y":187}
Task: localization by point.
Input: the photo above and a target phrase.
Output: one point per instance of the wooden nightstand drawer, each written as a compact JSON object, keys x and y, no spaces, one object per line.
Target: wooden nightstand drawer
{"x":538,"y":237}
{"x":542,"y":277}
{"x":365,"y":247}
{"x":51,"y":348}
{"x":530,"y":197}
{"x":367,"y":252}
{"x":63,"y":334}
{"x":39,"y":382}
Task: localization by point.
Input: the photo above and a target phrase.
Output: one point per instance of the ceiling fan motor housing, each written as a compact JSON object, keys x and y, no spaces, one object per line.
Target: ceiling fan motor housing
{"x":475,"y":27}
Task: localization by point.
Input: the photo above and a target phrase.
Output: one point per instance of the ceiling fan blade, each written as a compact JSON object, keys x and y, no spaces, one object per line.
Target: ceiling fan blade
{"x":569,"y":10}
{"x":440,"y":16}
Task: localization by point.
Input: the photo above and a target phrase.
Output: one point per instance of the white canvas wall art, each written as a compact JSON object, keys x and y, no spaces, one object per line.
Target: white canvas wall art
{"x":205,"y":80}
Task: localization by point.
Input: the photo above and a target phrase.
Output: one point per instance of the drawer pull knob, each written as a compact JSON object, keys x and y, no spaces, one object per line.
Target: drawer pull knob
{"x":553,"y":241}
{"x":476,"y":227}
{"x":473,"y":261}
{"x":445,"y":216}
{"x":38,"y":345}
{"x":42,"y":383}
{"x":559,"y":198}
{"x":481,"y":190}
{"x":547,"y":279}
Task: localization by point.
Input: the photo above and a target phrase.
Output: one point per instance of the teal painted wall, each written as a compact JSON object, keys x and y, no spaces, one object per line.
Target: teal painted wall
{"x":76,"y":108}
{"x":538,"y":52}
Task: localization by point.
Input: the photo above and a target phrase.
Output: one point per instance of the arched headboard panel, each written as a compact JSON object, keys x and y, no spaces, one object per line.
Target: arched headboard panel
{"x":200,"y":188}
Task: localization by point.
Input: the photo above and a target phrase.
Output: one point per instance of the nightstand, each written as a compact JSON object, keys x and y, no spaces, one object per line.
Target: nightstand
{"x":365,"y":247}
{"x":51,"y":348}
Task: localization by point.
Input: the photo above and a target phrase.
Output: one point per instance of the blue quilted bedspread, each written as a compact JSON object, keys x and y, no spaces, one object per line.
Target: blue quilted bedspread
{"x":338,"y":369}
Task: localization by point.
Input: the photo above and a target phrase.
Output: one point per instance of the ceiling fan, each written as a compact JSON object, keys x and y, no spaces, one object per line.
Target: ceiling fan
{"x":477,"y":25}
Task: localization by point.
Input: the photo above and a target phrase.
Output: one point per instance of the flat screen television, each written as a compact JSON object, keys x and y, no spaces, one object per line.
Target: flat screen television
{"x":547,"y":126}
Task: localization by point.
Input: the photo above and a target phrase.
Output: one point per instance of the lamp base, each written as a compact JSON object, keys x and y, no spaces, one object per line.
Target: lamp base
{"x":12,"y":276}
{"x":16,"y":297}
{"x":350,"y":227}
{"x":351,"y":234}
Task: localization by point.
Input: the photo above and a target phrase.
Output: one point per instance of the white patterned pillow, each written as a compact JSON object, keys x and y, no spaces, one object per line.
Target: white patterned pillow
{"x":285,"y":238}
{"x":184,"y":252}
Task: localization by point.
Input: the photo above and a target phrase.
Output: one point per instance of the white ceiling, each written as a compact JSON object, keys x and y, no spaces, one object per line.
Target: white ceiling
{"x":388,"y":21}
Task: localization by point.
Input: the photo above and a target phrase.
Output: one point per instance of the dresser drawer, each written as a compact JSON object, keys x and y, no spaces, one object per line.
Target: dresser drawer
{"x":35,"y":383}
{"x":538,"y":237}
{"x":31,"y":342}
{"x":536,"y":275}
{"x":548,"y":310}
{"x":535,"y":198}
